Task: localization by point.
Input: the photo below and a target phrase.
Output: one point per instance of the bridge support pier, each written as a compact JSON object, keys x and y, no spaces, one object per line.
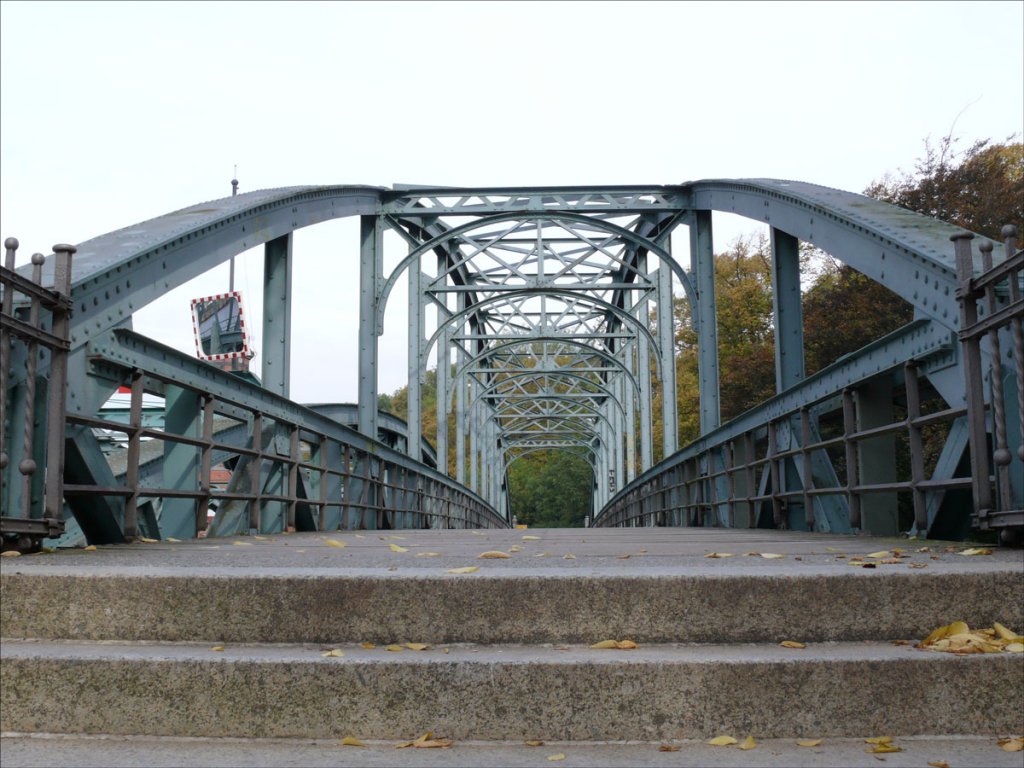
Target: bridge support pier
{"x":702,"y":262}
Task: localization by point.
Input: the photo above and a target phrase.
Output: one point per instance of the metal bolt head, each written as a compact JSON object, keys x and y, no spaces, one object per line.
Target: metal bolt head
{"x":986,"y":246}
{"x":1002,"y":457}
{"x":27,"y":466}
{"x":1008,"y":230}
{"x":11,"y":243}
{"x":64,"y":247}
{"x":38,"y":259}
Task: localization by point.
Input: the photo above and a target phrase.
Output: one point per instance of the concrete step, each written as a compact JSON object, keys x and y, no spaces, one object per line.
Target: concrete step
{"x":47,"y":750}
{"x":758,"y":603}
{"x":507,"y":692}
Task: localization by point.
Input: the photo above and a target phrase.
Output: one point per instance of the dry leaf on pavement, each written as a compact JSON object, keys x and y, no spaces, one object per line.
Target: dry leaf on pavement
{"x":494,"y":555}
{"x":396,"y":548}
{"x":771,"y":556}
{"x":1011,"y":744}
{"x":351,"y":741}
{"x":336,"y":652}
{"x":466,"y":569}
{"x":535,"y":742}
{"x":976,"y":551}
{"x":748,"y":743}
{"x":668,"y":748}
{"x":722,"y":741}
{"x":809,"y":742}
{"x":792,"y":644}
{"x":335,"y":543}
{"x":559,"y":756}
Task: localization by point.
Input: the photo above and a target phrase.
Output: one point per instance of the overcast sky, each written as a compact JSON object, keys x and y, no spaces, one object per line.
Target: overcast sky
{"x":113,"y":113}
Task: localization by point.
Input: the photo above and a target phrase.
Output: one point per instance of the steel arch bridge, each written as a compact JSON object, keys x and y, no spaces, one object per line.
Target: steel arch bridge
{"x":553,"y":322}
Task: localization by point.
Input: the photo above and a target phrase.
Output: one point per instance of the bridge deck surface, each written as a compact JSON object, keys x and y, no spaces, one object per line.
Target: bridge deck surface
{"x":649,"y":551}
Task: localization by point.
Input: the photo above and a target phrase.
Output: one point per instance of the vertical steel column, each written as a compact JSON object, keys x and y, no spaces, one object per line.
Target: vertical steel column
{"x":704,"y":315}
{"x":460,"y":400}
{"x":473,"y":435}
{"x":630,"y":406}
{"x":789,"y":326}
{"x":443,"y":367}
{"x":666,"y":339}
{"x":974,"y":379}
{"x":53,"y":498}
{"x":644,"y":374}
{"x":277,"y":314}
{"x":415,"y":362}
{"x":183,"y":411}
{"x":370,"y":267}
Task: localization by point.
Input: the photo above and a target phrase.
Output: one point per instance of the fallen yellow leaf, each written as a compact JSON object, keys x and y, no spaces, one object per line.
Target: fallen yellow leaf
{"x":958,"y":628}
{"x":880,"y":555}
{"x":719,"y":554}
{"x":432,"y":743}
{"x":771,"y":556}
{"x":393,"y":647}
{"x":882,"y":749}
{"x":721,"y":741}
{"x":466,"y":569}
{"x":622,"y":557}
{"x":494,"y":555}
{"x":1015,"y":648}
{"x":335,"y":652}
{"x":351,"y":741}
{"x":217,"y":648}
{"x":90,"y":548}
{"x":606,"y":644}
{"x":879,"y":740}
{"x":939,"y":764}
{"x":532,"y":538}
{"x":543,"y":554}
{"x":258,"y":538}
{"x":627,"y":645}
{"x":792,"y":644}
{"x":748,"y":743}
{"x":1003,"y":632}
{"x":1011,"y":744}
{"x":428,"y":554}
{"x":368,"y":646}
{"x":668,"y":748}
{"x":833,"y":549}
{"x":238,"y":543}
{"x":336,"y":544}
{"x":976,"y":551}
{"x":535,"y":742}
{"x":416,"y":646}
{"x":10,"y":553}
{"x":809,"y":742}
{"x":559,"y":756}
{"x":178,"y":541}
{"x":396,"y":548}
{"x":151,"y":541}
{"x":569,"y":557}
{"x":515,"y":548}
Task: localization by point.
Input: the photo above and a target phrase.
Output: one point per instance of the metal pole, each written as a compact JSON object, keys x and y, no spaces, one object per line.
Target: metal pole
{"x":370,"y":255}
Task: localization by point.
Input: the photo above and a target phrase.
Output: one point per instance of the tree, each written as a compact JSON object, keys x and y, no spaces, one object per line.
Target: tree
{"x":980,"y":189}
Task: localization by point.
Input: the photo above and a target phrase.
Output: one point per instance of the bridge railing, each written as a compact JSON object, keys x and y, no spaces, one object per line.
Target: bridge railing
{"x":34,"y":327}
{"x":808,"y":459}
{"x":766,"y":474}
{"x":296,"y":469}
{"x":989,"y":304}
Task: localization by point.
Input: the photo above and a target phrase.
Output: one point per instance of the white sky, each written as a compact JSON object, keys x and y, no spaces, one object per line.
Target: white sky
{"x":113,"y":113}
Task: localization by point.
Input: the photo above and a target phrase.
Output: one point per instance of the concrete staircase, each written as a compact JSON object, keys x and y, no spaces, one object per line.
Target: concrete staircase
{"x":227,"y":638}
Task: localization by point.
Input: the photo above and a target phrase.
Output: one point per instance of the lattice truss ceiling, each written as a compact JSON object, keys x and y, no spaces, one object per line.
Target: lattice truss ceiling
{"x":550,"y":312}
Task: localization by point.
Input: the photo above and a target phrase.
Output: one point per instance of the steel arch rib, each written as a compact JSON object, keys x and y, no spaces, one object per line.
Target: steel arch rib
{"x":118,"y":273}
{"x":508,"y":296}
